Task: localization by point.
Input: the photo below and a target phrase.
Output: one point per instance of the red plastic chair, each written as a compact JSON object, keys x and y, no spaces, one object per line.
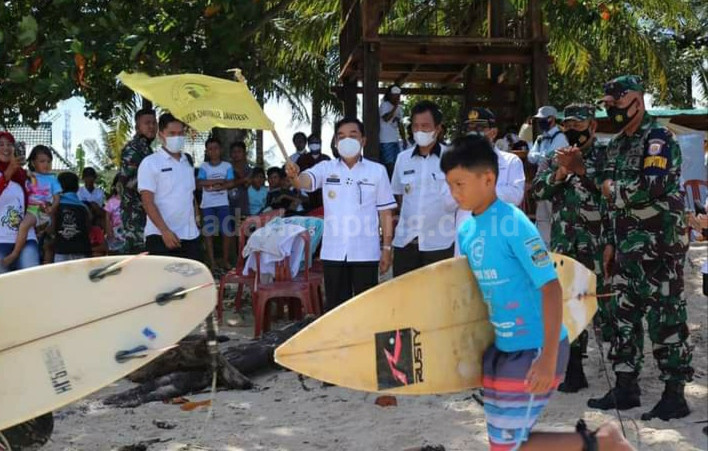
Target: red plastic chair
{"x":235,"y":275}
{"x":694,"y":187}
{"x":283,"y":287}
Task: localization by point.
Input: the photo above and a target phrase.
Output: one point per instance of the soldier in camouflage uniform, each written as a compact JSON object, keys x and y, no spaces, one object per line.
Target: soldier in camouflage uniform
{"x":572,"y":180}
{"x":647,"y":209}
{"x":132,"y":212}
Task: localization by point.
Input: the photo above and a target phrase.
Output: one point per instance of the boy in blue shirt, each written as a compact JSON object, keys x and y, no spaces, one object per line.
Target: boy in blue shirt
{"x":257,"y":192}
{"x":520,"y":287}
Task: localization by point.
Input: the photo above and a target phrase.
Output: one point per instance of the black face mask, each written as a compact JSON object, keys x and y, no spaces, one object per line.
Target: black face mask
{"x":544,"y":125}
{"x":577,"y":138}
{"x":619,"y":117}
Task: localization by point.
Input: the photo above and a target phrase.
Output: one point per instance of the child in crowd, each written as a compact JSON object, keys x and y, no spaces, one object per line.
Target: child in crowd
{"x":282,"y":195}
{"x":97,"y":235}
{"x":43,"y":199}
{"x":257,"y":192}
{"x":90,"y":193}
{"x":524,"y":365}
{"x":215,"y":178}
{"x":114,"y":224}
{"x":72,"y":222}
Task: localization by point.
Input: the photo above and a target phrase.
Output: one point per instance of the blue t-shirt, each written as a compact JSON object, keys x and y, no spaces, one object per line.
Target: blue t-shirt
{"x":42,"y":192}
{"x":511,"y":264}
{"x":256,"y":199}
{"x":222,"y":171}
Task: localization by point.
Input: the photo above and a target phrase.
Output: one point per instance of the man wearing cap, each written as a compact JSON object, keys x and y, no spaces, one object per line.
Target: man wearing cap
{"x":571,"y":179}
{"x":647,"y":210}
{"x":551,"y":138}
{"x":511,"y":180}
{"x":390,"y":127}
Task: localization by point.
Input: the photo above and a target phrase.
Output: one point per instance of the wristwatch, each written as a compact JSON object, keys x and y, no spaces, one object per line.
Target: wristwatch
{"x":386,"y":248}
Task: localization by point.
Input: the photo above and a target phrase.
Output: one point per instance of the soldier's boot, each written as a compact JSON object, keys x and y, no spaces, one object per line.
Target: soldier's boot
{"x":671,"y":405}
{"x":575,"y":379}
{"x":624,"y":396}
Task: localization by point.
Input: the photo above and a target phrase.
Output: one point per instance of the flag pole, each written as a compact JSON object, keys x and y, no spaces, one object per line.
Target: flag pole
{"x":280,"y":144}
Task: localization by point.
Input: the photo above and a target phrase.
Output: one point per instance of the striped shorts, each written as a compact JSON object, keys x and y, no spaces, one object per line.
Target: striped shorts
{"x":511,"y":412}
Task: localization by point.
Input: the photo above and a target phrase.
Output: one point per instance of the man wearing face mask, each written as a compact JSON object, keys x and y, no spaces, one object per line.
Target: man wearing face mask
{"x":511,"y":180}
{"x":357,"y":200}
{"x":551,"y":138}
{"x":166,"y":184}
{"x":310,"y":159}
{"x":571,"y":180}
{"x":132,"y":212}
{"x":426,"y":227}
{"x":642,"y":187}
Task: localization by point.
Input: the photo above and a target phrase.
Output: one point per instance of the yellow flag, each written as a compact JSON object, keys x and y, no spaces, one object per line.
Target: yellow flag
{"x":201,"y":101}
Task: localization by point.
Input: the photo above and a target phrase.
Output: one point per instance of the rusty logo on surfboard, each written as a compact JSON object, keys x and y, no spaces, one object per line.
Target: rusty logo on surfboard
{"x":399,"y":358}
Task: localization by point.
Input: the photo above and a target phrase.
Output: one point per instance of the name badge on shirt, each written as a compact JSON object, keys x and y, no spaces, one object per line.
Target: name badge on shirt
{"x":408,"y":172}
{"x":333,"y":179}
{"x":165,"y":169}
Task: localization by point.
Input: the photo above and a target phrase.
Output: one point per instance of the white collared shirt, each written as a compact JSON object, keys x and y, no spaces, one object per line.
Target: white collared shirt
{"x":96,"y":195}
{"x":512,"y":180}
{"x":172,"y":182}
{"x":352,"y":200}
{"x":548,"y":142}
{"x":427,"y":207}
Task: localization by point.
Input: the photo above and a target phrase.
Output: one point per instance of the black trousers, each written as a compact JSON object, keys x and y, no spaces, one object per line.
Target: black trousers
{"x":409,"y":258}
{"x":343,"y":280}
{"x":191,"y":249}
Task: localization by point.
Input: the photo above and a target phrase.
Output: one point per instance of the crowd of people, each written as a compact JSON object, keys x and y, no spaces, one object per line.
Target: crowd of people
{"x":616,"y":208}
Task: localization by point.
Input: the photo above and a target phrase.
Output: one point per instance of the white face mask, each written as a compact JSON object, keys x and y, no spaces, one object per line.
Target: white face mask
{"x":315,"y":148}
{"x":174,"y":144}
{"x":424,"y":139}
{"x":348,"y":147}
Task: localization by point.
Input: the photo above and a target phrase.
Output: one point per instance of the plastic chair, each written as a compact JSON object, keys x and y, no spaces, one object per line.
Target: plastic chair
{"x":235,"y":275}
{"x":694,"y":187}
{"x":283,"y":286}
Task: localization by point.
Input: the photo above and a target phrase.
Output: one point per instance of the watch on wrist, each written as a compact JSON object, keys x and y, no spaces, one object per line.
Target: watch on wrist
{"x":386,"y":248}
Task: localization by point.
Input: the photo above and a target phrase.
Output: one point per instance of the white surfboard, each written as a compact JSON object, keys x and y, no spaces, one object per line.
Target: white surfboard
{"x":69,"y":329}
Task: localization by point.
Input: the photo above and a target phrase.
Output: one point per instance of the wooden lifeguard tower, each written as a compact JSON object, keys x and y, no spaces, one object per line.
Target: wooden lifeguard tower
{"x":487,"y":51}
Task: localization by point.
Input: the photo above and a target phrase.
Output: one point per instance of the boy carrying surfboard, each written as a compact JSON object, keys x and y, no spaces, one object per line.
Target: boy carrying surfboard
{"x":524,"y":365}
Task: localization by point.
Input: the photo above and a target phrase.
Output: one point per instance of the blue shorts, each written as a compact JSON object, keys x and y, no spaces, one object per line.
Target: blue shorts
{"x":510,"y":411}
{"x":29,"y":256}
{"x":389,"y":152}
{"x":218,"y":221}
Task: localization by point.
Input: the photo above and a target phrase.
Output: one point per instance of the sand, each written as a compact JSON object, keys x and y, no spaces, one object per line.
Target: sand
{"x":285,"y":412}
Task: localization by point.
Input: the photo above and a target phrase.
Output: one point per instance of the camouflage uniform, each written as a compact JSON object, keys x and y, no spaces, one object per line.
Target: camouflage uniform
{"x":132,"y":212}
{"x":647,"y":212}
{"x":579,"y":221}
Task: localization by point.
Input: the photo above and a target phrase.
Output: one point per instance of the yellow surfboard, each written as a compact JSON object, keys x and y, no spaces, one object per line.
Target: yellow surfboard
{"x":421,"y":333}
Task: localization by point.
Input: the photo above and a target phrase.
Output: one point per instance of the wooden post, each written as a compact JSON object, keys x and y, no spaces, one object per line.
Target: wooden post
{"x":539,"y":67}
{"x":371,"y":100}
{"x":495,"y":19}
{"x":350,"y":98}
{"x":468,"y":97}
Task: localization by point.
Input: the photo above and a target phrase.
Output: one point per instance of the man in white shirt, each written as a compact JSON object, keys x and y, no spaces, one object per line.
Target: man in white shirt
{"x":166,"y":184}
{"x":300,"y":143}
{"x":511,"y":181}
{"x":425,"y":232}
{"x":357,"y":200}
{"x":546,"y":144}
{"x":390,"y":127}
